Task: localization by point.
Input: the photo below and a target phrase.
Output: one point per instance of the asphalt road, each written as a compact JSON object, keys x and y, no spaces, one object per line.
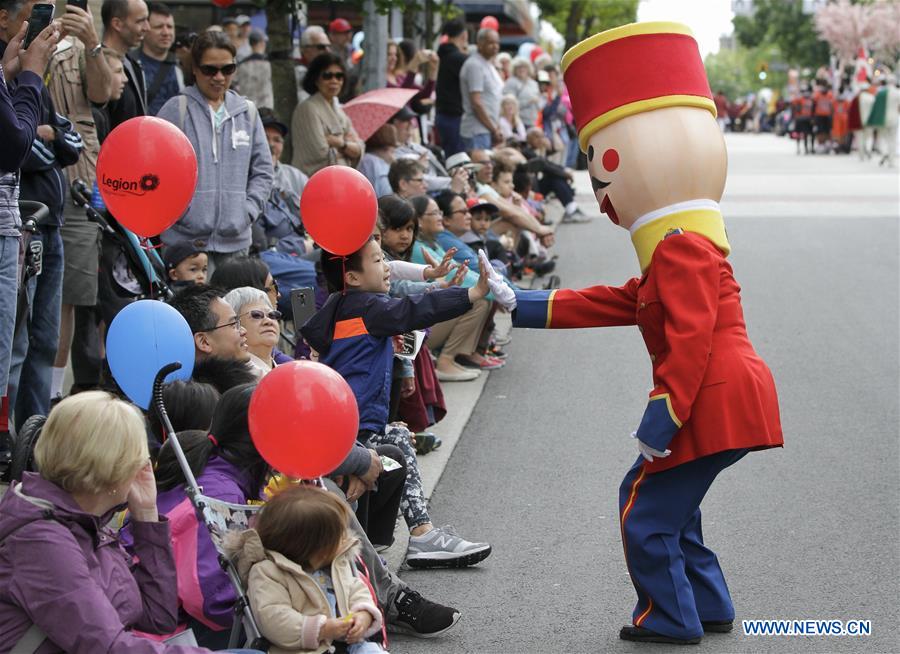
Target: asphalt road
{"x":808,"y":531}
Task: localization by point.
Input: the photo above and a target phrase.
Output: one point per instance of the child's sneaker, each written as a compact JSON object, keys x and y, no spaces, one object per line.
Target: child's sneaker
{"x":443,"y":548}
{"x":417,"y":616}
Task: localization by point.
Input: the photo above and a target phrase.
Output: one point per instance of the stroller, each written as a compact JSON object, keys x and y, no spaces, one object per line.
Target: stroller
{"x":130,"y":269}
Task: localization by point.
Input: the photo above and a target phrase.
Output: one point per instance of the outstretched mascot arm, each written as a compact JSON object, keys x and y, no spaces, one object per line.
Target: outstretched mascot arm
{"x":687,"y":275}
{"x":597,"y":306}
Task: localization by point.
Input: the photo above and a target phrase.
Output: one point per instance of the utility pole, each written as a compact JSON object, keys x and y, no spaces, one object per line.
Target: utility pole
{"x":375,"y":26}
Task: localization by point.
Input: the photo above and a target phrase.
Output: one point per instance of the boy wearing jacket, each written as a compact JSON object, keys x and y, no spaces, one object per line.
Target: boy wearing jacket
{"x":352,"y":333}
{"x":233,"y":162}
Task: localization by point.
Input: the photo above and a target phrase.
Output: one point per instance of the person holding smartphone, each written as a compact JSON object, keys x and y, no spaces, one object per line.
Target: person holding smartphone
{"x":20,"y":113}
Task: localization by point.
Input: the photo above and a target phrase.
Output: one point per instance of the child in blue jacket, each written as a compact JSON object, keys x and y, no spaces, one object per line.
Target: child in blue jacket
{"x":352,"y":333}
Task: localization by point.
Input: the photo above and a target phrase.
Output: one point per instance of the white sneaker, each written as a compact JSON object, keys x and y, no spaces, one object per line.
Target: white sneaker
{"x":464,"y":374}
{"x":443,"y":548}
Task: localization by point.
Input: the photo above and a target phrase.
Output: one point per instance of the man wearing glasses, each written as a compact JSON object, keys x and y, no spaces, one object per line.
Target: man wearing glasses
{"x":407,"y":178}
{"x":216,"y":327}
{"x":313,"y":42}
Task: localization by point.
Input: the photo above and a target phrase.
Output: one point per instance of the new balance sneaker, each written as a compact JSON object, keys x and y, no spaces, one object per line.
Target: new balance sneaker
{"x":443,"y":548}
{"x":417,"y":616}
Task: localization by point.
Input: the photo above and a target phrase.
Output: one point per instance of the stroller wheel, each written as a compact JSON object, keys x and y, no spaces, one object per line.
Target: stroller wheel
{"x":23,"y":449}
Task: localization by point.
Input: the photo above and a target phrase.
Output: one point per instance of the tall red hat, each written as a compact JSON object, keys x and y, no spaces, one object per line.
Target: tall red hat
{"x":631,"y":69}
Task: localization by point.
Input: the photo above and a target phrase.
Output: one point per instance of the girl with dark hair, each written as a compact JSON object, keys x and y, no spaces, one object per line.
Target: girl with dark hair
{"x":323,"y":133}
{"x":190,"y":405}
{"x":228,"y":468}
{"x":416,"y":395}
{"x":246,"y":271}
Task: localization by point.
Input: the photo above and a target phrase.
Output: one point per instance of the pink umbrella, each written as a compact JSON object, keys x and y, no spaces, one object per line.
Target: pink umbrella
{"x":371,"y":110}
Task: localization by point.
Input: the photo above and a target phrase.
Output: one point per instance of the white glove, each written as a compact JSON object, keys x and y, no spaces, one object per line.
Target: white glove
{"x":503,"y":294}
{"x":648,"y":452}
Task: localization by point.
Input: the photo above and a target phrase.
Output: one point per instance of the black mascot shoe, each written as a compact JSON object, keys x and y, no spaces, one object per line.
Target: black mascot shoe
{"x":641,"y":635}
{"x":718,"y":626}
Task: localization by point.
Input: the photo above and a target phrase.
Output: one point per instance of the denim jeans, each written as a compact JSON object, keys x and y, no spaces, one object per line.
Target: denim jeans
{"x":477,"y":142}
{"x":448,"y":129}
{"x":34,"y":347}
{"x":9,"y":285}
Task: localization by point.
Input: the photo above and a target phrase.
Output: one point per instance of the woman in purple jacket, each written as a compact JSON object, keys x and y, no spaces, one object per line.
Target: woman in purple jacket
{"x":66,"y":583}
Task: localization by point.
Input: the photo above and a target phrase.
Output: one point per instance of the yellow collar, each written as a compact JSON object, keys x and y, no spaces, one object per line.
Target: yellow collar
{"x":697,"y":216}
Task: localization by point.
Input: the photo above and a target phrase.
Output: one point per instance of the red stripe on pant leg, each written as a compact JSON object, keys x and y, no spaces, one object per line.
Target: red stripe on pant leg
{"x":625,"y":511}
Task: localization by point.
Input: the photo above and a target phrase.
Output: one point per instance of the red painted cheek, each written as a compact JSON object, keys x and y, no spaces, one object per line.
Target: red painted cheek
{"x":610,"y":160}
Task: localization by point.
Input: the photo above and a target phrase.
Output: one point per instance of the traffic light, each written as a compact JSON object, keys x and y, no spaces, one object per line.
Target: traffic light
{"x":763,"y":71}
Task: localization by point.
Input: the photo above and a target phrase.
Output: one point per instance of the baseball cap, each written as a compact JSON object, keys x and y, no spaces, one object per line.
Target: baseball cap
{"x":478,"y":204}
{"x":405,"y":113}
{"x":339,"y":26}
{"x":243,"y":19}
{"x":543,"y":76}
{"x":269,"y":119}
{"x":175,"y":254}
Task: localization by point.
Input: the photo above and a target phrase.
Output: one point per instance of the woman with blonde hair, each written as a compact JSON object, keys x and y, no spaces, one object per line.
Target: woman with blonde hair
{"x":66,"y":582}
{"x":511,"y":125}
{"x":523,"y":86}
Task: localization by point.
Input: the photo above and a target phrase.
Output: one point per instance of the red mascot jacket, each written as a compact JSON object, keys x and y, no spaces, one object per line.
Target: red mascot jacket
{"x":712,"y":392}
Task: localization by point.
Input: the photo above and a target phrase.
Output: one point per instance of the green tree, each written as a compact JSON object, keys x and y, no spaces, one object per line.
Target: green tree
{"x":736,"y":72}
{"x":782,"y":23}
{"x":579,"y":19}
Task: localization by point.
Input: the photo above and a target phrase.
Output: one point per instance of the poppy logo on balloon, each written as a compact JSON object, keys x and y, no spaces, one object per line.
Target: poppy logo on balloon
{"x":119,"y":186}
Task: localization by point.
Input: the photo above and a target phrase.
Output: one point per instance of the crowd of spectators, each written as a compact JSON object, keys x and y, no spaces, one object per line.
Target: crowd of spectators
{"x":465,"y":174}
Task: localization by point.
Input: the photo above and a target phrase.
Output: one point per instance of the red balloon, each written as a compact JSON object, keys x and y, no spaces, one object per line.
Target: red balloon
{"x":536,"y":52}
{"x":147,"y":172}
{"x":303,"y":419}
{"x":223,"y":3}
{"x":339,"y":208}
{"x":490,"y":23}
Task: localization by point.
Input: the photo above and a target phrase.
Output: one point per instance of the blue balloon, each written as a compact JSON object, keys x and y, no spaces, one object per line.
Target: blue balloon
{"x":145,"y":336}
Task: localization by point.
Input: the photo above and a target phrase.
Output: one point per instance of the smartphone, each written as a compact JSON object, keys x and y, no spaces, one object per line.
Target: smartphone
{"x":303,"y":305}
{"x":81,"y":4}
{"x":41,"y":15}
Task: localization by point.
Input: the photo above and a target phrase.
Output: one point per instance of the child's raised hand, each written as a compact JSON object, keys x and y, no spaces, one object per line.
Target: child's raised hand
{"x":439,"y":270}
{"x":482,"y":288}
{"x":335,"y":629}
{"x":362,"y":620}
{"x":458,"y":278}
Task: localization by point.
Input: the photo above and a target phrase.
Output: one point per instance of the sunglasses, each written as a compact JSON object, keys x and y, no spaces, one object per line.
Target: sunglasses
{"x":256,"y":314}
{"x":327,"y":76}
{"x":212,"y":71}
{"x":318,"y":46}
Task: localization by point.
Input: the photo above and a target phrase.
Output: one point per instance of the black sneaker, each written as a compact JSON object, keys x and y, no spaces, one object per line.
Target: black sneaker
{"x":419,"y":617}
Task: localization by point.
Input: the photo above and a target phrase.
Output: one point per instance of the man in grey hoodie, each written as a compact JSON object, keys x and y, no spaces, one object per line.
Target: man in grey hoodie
{"x":234,"y":164}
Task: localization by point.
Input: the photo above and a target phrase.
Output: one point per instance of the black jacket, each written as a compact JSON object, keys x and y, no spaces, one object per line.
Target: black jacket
{"x":43,"y":179}
{"x":134,"y":97}
{"x":448,"y":97}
